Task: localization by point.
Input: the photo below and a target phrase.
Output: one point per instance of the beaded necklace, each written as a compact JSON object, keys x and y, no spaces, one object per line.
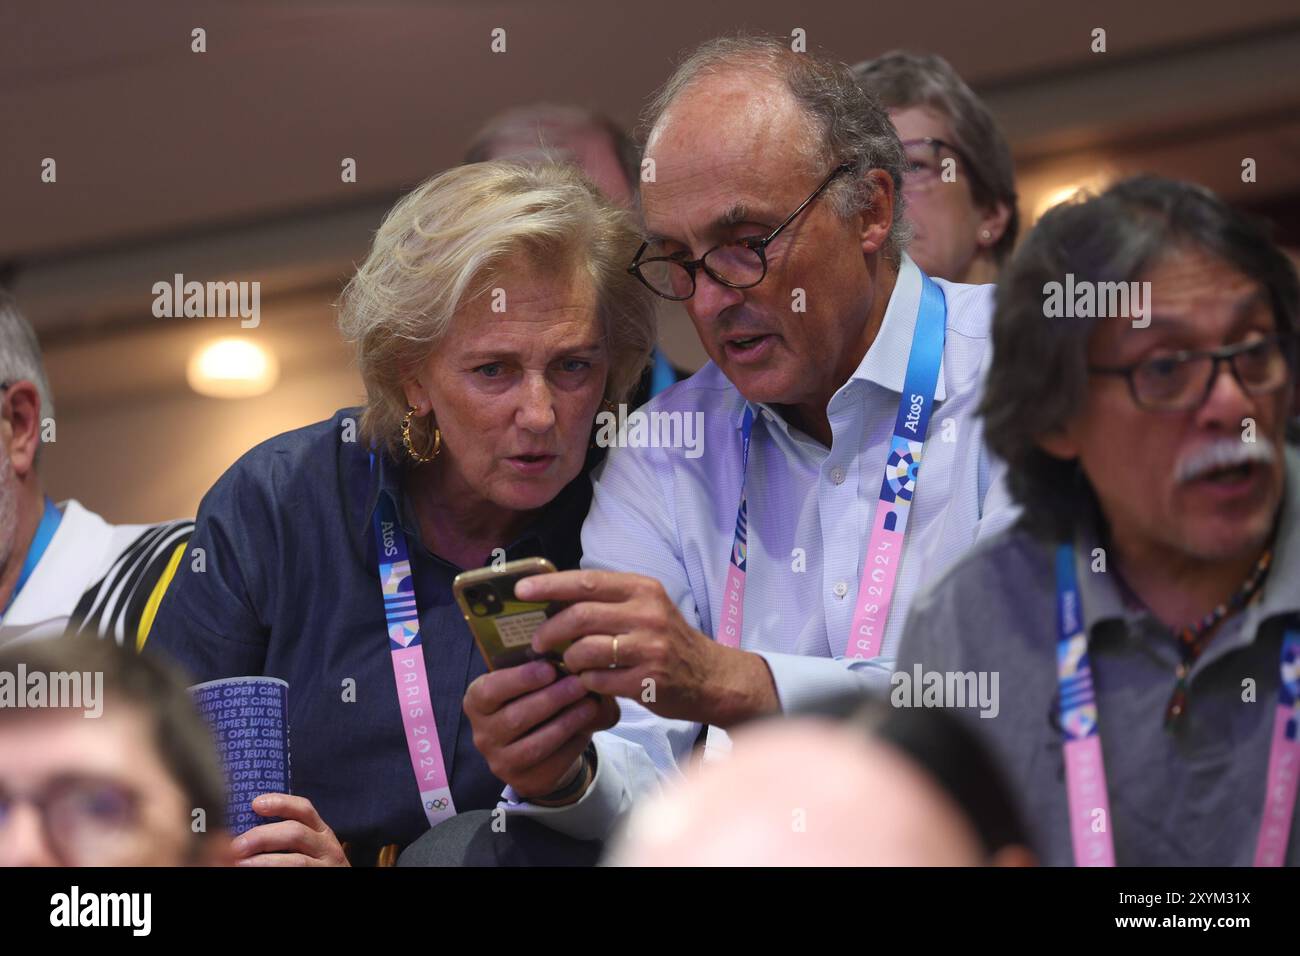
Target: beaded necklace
{"x":1194,"y":638}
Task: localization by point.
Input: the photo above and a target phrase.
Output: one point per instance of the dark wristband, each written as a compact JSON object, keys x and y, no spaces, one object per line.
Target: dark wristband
{"x":575,"y":786}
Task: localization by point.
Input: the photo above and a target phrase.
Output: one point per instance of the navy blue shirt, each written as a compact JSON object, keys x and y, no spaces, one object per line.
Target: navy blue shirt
{"x":289,"y":588}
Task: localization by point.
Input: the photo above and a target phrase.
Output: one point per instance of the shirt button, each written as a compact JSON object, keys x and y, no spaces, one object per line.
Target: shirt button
{"x":840,"y":589}
{"x":837,"y":475}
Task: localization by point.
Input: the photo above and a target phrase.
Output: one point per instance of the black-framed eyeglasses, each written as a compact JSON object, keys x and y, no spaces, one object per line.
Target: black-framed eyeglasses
{"x":924,"y":164}
{"x":1183,"y":380}
{"x":741,"y":264}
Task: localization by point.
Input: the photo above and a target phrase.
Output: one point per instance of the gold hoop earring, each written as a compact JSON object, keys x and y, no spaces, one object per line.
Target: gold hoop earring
{"x":410,"y":448}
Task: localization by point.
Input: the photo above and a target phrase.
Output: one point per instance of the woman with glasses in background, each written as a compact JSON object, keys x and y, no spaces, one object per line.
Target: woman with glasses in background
{"x":959,"y":184}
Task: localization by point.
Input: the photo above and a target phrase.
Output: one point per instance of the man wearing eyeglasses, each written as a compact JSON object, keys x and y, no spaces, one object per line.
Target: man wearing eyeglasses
{"x":1146,"y":610}
{"x":139,"y":783}
{"x":779,"y":564}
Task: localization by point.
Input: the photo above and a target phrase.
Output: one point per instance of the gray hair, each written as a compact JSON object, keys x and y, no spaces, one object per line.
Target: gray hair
{"x":1038,"y":380}
{"x":443,"y":244}
{"x":20,"y":353}
{"x":901,"y":79}
{"x":845,"y":123}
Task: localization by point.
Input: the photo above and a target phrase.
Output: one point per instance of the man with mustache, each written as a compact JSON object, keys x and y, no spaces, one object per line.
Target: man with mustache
{"x":1146,"y":610}
{"x":761,"y":573}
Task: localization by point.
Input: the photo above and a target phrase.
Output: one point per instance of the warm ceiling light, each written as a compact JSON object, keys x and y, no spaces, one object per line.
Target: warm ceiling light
{"x":1055,"y":198}
{"x":232,"y":368}
{"x":1094,"y":183}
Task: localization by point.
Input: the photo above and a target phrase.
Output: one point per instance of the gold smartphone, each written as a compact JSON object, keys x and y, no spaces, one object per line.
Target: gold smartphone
{"x":502,"y":624}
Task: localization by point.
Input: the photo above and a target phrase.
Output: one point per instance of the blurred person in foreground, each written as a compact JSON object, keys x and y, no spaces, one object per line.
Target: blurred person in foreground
{"x":935,"y":797}
{"x":1147,"y":607}
{"x":111,"y":765}
{"x":605,"y":153}
{"x":63,"y":567}
{"x":492,"y":319}
{"x":960,"y":183}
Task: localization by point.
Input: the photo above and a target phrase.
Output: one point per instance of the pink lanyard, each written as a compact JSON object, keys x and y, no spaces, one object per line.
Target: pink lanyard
{"x":1085,"y":772}
{"x":403,"y":617}
{"x":889,"y":527}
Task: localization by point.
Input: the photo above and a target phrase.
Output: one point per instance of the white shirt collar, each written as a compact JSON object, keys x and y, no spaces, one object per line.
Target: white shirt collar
{"x":71,"y":564}
{"x":886,"y":360}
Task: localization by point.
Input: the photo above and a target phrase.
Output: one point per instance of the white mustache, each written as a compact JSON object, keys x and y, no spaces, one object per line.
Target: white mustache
{"x":1224,"y":453}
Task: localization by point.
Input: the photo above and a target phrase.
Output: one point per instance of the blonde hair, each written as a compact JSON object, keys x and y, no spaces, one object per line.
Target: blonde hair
{"x":442,"y":244}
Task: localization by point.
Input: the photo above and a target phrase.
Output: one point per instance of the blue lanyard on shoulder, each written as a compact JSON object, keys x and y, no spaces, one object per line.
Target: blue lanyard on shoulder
{"x":914,"y":407}
{"x":1078,"y":706}
{"x":901,"y":471}
{"x":395,"y":577}
{"x":922,"y":376}
{"x":740,"y":540}
{"x":663,"y":375}
{"x":50,"y":519}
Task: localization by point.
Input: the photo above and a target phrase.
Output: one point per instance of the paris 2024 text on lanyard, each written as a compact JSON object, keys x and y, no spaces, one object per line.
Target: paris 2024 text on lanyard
{"x":407,"y":650}
{"x":889,"y":527}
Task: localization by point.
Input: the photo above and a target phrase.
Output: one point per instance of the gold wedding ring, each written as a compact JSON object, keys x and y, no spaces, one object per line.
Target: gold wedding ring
{"x":614,"y":663}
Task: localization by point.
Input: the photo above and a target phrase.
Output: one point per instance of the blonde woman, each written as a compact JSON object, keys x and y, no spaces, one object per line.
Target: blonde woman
{"x":492,"y":318}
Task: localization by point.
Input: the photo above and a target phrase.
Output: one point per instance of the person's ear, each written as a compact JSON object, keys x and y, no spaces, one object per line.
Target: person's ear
{"x":1059,"y":443}
{"x":877,"y":219}
{"x":21,"y":431}
{"x":416,"y":395}
{"x":992,"y":225}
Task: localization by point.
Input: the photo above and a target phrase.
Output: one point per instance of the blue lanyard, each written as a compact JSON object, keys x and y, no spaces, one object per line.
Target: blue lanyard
{"x":402,"y":616}
{"x":50,"y":519}
{"x":922,"y":375}
{"x":400,"y":609}
{"x":663,"y":375}
{"x":898,"y":487}
{"x":1078,"y":706}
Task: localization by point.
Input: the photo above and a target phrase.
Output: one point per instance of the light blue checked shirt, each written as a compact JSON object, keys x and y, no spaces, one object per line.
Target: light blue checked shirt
{"x":660,"y":513}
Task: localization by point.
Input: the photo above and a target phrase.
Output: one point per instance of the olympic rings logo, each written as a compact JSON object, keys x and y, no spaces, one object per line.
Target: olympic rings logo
{"x":438,"y":804}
